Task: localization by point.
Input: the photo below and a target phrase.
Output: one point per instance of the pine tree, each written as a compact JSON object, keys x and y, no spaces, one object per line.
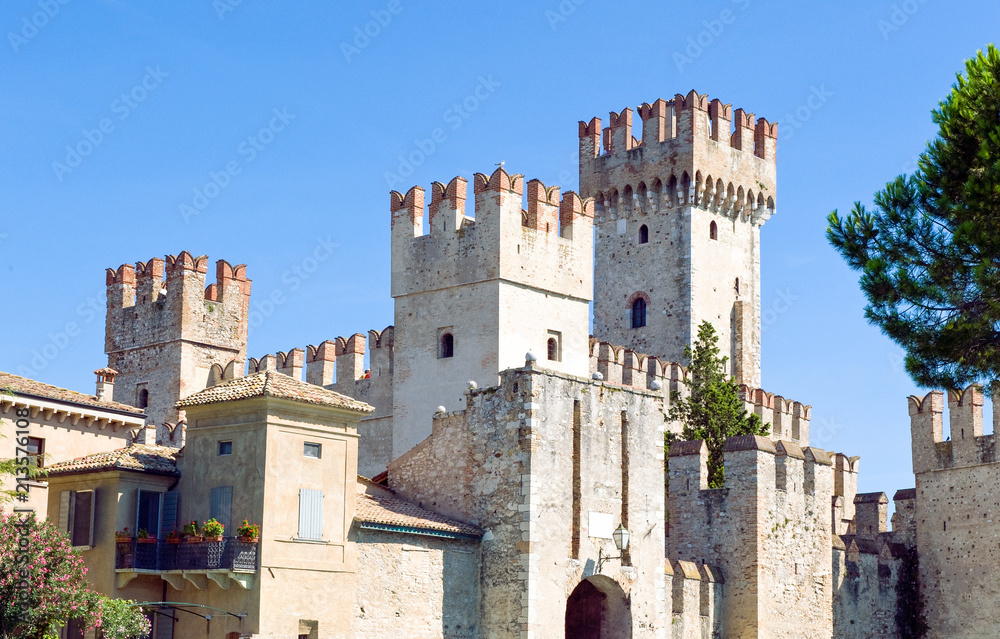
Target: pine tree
{"x":713,"y":411}
{"x":929,"y":252}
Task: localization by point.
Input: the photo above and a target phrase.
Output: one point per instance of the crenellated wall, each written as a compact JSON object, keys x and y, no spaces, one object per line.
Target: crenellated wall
{"x":956,"y":516}
{"x":166,"y":330}
{"x":678,"y":216}
{"x":499,"y":284}
{"x":339,"y":365}
{"x":768,"y":531}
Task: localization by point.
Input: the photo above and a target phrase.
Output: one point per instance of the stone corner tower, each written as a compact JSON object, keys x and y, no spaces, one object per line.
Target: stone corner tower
{"x":167,"y":334}
{"x":678,"y":216}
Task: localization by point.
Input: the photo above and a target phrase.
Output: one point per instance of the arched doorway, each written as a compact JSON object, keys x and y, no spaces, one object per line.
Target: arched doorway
{"x":598,"y":609}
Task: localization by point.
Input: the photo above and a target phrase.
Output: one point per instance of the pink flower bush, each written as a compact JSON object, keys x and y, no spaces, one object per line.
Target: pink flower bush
{"x":43,"y":584}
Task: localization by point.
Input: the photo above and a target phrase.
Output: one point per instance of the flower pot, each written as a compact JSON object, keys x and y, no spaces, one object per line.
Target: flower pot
{"x":249,"y":539}
{"x":192,"y":539}
{"x":122,"y":540}
{"x":146,"y":540}
{"x":213,"y":537}
{"x":174,"y":540}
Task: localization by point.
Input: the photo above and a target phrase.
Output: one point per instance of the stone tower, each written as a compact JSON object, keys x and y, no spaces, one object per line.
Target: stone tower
{"x":474,"y":294}
{"x":678,"y":216}
{"x":164,"y":335}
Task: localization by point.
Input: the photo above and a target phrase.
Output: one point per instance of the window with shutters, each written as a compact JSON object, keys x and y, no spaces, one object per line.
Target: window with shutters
{"x":310,"y":514}
{"x":76,"y":516}
{"x":36,"y":451}
{"x":168,"y":520}
{"x":221,"y":506}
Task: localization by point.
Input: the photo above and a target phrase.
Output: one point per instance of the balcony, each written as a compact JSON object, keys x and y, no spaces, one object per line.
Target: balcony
{"x":223,"y":562}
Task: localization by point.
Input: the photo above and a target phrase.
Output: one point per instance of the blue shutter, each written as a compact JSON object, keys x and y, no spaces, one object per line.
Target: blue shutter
{"x":221,"y":506}
{"x":169,"y":512}
{"x":310,"y":514}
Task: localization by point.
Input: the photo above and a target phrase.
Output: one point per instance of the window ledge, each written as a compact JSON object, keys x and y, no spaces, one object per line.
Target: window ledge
{"x":303,"y":540}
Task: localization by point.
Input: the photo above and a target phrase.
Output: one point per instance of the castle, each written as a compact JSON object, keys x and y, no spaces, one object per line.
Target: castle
{"x":503,"y":451}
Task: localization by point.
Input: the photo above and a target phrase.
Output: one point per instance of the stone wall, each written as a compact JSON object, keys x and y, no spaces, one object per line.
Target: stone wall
{"x":768,"y":531}
{"x":538,"y":462}
{"x":956,"y":518}
{"x":421,"y":587}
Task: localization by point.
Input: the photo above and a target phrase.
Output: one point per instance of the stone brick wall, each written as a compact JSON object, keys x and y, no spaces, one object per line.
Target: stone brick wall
{"x":865,"y":576}
{"x":165,"y":335}
{"x":956,"y":515}
{"x":419,"y":587}
{"x":538,"y":462}
{"x":768,"y":531}
{"x":686,"y":173}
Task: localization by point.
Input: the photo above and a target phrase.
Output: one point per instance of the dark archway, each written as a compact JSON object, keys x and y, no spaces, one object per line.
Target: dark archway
{"x":598,"y":609}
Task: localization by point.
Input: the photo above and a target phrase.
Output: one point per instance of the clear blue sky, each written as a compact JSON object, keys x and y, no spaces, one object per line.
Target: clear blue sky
{"x":181,"y":88}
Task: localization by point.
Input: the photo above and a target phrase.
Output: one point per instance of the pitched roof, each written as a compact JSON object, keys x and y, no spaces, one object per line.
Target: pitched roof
{"x":157,"y":460}
{"x":273,"y":384}
{"x":24,"y":386}
{"x":392,"y":511}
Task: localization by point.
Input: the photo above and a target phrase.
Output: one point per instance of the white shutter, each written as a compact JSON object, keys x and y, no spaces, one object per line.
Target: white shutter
{"x":310,"y":514}
{"x":64,"y":499}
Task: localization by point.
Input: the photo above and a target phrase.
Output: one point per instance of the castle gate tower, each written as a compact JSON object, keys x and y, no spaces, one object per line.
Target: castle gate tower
{"x":474,"y":294}
{"x":164,"y":336}
{"x":678,"y":216}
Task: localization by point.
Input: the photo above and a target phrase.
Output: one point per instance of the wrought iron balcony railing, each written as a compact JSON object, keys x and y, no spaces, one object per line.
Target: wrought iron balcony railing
{"x":161,"y":555}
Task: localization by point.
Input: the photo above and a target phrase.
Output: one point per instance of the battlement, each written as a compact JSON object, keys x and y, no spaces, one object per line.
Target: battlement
{"x":620,"y":365}
{"x":335,"y":364}
{"x":966,"y":444}
{"x":164,"y":299}
{"x":786,"y":418}
{"x":500,"y":194}
{"x":527,"y":234}
{"x":693,"y":152}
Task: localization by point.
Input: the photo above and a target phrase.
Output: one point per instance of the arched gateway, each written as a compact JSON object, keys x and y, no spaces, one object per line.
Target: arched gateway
{"x":598,"y":609}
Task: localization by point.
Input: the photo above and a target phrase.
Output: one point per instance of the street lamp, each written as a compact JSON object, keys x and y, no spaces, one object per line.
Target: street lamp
{"x":620,"y":535}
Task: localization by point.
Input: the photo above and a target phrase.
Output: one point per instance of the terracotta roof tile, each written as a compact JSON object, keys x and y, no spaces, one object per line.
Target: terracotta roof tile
{"x":159,"y":460}
{"x":25,"y":386}
{"x":393,"y":511}
{"x":273,"y":384}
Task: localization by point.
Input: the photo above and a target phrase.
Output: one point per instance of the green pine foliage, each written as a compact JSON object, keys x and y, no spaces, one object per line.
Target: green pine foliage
{"x":713,"y":411}
{"x":929,"y":250}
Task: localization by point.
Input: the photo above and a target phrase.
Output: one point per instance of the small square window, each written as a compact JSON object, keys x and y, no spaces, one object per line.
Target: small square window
{"x":310,"y":449}
{"x":36,"y":451}
{"x":225,"y":448}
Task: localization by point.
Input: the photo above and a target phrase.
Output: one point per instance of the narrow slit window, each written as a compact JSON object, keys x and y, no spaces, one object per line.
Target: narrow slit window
{"x":639,"y":313}
{"x":447,"y":345}
{"x":643,"y":234}
{"x":713,"y":231}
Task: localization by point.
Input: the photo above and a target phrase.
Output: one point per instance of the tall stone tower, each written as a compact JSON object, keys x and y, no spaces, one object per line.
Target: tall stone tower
{"x":166,"y":336}
{"x":678,"y":217}
{"x":474,"y":294}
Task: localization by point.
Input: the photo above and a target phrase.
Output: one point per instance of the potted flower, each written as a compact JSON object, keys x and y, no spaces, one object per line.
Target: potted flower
{"x":191,"y":532}
{"x":213,"y":530}
{"x":248,"y":532}
{"x":174,"y":537}
{"x":123,"y":536}
{"x":143,"y":537}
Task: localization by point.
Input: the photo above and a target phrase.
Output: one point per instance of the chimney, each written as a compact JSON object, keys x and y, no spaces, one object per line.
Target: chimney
{"x":105,"y":383}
